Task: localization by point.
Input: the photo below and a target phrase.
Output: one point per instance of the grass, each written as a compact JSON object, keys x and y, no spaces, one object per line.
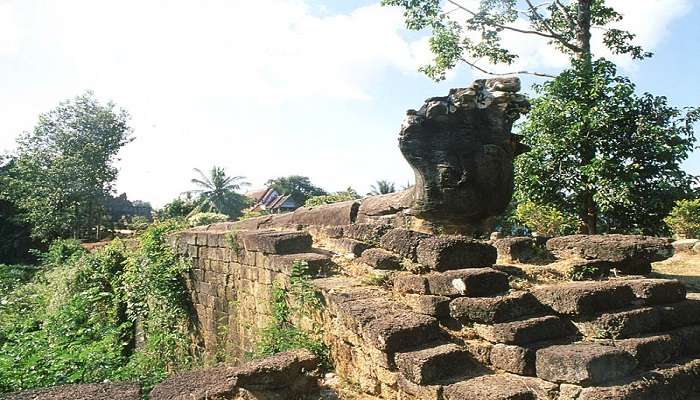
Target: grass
{"x":684,"y":267}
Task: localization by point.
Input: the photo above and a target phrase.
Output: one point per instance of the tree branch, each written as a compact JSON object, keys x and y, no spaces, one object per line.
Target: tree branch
{"x":478,"y":68}
{"x":549,"y":29}
{"x":551,"y":35}
{"x":569,"y":18}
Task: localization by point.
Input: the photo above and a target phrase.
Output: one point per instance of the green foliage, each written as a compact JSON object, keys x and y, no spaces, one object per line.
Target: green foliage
{"x":382,"y":187}
{"x":584,"y":273}
{"x":157,"y":297}
{"x":545,"y":220}
{"x":479,"y":35}
{"x":252,"y":214}
{"x":282,"y":335}
{"x":138,"y":223}
{"x":231,"y":238}
{"x":216,"y":193}
{"x":684,"y":219}
{"x":206,"y":218}
{"x":349,"y":194}
{"x":64,"y":168}
{"x":612,"y":160}
{"x":177,"y":209}
{"x":62,"y":251}
{"x":300,"y":187}
{"x":74,"y":321}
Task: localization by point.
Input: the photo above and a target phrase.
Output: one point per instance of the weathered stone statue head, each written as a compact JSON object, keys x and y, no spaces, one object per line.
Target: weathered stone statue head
{"x":461,"y":149}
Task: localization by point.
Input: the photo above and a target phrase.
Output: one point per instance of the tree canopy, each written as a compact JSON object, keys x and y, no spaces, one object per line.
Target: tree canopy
{"x":382,"y":187}
{"x":622,"y":173}
{"x":216,"y":192}
{"x":64,"y":167}
{"x":461,"y":34}
{"x":300,"y":187}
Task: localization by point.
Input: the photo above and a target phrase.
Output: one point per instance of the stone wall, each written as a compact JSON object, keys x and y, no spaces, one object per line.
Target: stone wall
{"x":411,"y":315}
{"x":232,"y":279}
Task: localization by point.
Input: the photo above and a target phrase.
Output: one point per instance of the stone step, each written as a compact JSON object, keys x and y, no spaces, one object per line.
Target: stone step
{"x":317,"y":263}
{"x":276,"y":242}
{"x":513,"y":358}
{"x":436,"y":306}
{"x":403,"y":242}
{"x":621,"y":324}
{"x":678,"y":381}
{"x":526,"y":331}
{"x":585,"y":298}
{"x":433,"y":363}
{"x":657,"y":291}
{"x":370,"y":233}
{"x":500,"y":387}
{"x":348,"y":246}
{"x":680,"y":314}
{"x":656,"y":349}
{"x":496,"y":309}
{"x":583,"y":363}
{"x":633,"y":322}
{"x":471,"y":282}
{"x":387,"y":325}
{"x":381,"y":259}
{"x":443,"y":253}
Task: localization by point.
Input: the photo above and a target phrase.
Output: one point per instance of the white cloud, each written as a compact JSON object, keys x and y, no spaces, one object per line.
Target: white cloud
{"x":9,"y":31}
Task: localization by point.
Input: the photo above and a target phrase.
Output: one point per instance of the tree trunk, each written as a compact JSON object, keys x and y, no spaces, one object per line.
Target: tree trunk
{"x":588,"y":208}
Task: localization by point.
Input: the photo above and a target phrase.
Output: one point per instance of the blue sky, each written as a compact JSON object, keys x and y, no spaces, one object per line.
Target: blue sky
{"x":270,"y":88}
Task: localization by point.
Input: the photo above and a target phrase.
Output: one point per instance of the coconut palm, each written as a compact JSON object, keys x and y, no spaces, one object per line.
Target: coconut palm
{"x":217,"y":192}
{"x":382,"y":187}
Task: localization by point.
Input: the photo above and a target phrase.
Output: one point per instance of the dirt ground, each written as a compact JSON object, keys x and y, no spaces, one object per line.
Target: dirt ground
{"x":685,"y":268}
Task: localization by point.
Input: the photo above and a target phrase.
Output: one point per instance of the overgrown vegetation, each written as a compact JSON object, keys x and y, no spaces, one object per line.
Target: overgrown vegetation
{"x":348,"y":194}
{"x":544,"y":220}
{"x":684,"y":219}
{"x":206,"y":218}
{"x":74,"y":320}
{"x":299,"y":299}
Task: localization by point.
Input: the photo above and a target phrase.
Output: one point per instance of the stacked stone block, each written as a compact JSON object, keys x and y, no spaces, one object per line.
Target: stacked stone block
{"x":231,"y":282}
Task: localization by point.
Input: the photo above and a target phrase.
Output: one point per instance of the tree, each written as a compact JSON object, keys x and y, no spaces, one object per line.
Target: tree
{"x":217,"y":192}
{"x":178,"y":208}
{"x":300,"y":187}
{"x":64,"y":168}
{"x":15,"y":235}
{"x":567,"y":27}
{"x":628,"y":175}
{"x":382,"y":187}
{"x":684,"y":219}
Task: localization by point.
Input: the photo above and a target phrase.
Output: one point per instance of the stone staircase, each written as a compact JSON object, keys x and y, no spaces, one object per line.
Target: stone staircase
{"x":448,"y":332}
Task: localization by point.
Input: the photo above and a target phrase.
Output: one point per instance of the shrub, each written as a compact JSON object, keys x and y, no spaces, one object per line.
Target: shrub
{"x":75,"y":320}
{"x":281,"y":335}
{"x":206,"y":218}
{"x":684,"y":219}
{"x":336,"y":197}
{"x":252,"y":214}
{"x":544,"y":220}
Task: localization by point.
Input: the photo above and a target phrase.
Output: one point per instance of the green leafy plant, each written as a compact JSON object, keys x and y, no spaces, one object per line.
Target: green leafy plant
{"x":584,"y":273}
{"x":206,"y":218}
{"x":684,"y":219}
{"x":231,"y":238}
{"x":349,"y":194}
{"x":281,"y":335}
{"x":544,"y":220}
{"x":73,"y":320}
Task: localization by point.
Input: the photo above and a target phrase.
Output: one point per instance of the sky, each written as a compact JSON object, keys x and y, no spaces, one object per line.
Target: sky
{"x":270,"y":88}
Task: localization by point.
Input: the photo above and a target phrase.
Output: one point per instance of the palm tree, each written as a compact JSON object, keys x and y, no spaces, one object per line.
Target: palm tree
{"x":217,"y":192}
{"x":382,"y":187}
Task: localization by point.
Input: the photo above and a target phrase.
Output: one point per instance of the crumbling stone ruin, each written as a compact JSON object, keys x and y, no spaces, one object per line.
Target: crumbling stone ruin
{"x":409,"y":313}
